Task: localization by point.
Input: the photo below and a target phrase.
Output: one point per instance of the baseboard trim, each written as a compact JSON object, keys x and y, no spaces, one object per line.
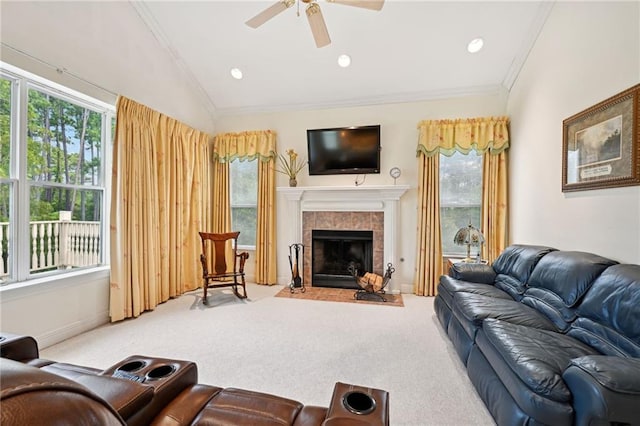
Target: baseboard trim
{"x":406,"y":288}
{"x":78,"y":327}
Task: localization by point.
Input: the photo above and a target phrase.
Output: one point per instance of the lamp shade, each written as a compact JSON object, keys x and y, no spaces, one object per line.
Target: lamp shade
{"x":469,"y":236}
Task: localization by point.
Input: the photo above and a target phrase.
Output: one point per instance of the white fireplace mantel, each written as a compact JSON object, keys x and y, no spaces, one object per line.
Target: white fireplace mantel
{"x":384,"y":198}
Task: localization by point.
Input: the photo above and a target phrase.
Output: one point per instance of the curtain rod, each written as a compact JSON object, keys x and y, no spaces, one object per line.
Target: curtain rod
{"x":60,"y":70}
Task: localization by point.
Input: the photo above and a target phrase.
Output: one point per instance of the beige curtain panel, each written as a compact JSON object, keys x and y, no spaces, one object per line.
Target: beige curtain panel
{"x":159,"y":199}
{"x":489,"y":136}
{"x":495,"y":206}
{"x":259,"y":145}
{"x":429,"y":252}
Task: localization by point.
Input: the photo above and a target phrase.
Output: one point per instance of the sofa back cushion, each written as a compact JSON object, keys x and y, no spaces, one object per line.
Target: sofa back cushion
{"x":609,"y":314}
{"x":514,"y":266}
{"x":568,"y":274}
{"x":560,"y":280}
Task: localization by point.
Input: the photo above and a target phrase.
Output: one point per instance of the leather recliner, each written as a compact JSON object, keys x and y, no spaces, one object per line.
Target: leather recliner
{"x":143,"y":390}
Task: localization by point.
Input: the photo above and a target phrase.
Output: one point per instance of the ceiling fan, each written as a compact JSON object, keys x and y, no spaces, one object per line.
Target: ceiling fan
{"x":314,"y":15}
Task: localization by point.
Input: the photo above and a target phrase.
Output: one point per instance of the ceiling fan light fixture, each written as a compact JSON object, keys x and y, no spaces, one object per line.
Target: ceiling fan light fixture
{"x":475,"y":45}
{"x":318,"y":27}
{"x":236,"y":73}
{"x":344,"y":60}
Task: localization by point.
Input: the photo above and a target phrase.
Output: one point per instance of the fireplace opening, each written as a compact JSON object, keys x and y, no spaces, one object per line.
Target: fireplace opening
{"x":332,"y":253}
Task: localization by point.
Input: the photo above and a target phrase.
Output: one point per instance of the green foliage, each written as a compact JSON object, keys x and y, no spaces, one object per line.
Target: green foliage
{"x":63,"y":147}
{"x":5,"y":127}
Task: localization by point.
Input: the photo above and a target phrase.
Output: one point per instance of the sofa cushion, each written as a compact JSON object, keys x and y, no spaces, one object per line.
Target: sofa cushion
{"x":537,"y":357}
{"x":474,"y":272}
{"x":449,"y":286}
{"x":32,"y":396}
{"x":609,"y":316}
{"x":238,"y":406}
{"x":551,"y":305}
{"x":514,"y":266}
{"x":568,"y":274}
{"x":472,"y":309}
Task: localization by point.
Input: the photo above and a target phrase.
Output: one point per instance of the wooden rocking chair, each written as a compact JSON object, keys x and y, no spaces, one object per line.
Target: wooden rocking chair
{"x":214,"y":263}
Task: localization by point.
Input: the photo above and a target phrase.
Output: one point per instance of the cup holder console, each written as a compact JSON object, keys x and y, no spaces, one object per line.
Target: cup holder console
{"x":140,"y":370}
{"x":358,"y":402}
{"x":166,"y":378}
{"x":158,"y":372}
{"x":352,"y":404}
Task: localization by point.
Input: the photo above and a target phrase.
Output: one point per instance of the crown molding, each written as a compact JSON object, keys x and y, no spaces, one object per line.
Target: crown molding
{"x":392,"y":98}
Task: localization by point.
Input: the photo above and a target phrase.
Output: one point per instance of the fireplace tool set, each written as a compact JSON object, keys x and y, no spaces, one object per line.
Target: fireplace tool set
{"x":371,"y":285}
{"x":296,"y":255}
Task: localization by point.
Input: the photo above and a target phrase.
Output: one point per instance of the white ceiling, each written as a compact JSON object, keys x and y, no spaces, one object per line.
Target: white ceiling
{"x":410,"y":50}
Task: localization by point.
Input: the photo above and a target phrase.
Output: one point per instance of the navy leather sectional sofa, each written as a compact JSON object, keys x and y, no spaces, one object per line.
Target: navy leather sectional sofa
{"x":548,"y":337}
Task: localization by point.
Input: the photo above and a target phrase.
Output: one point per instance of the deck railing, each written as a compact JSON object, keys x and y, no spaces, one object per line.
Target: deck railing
{"x":56,"y":244}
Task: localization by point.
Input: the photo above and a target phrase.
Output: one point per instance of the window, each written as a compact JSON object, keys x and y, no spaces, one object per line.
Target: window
{"x":52,"y":162}
{"x":244,"y":201}
{"x":460,"y":197}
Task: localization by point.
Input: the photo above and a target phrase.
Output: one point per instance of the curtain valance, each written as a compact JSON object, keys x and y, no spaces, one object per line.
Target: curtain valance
{"x":489,"y":134}
{"x":248,"y":145}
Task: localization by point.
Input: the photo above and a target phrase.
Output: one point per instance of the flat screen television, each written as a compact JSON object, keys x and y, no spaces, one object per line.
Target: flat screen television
{"x":344,"y":150}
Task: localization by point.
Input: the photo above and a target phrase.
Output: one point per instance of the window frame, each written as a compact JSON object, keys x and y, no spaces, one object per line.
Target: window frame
{"x":22,"y":81}
{"x":243,"y":205}
{"x":463,"y":251}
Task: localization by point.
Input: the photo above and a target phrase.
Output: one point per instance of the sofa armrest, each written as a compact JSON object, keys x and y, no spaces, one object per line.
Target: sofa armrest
{"x":17,"y":347}
{"x":473,"y":272}
{"x":605,"y":389}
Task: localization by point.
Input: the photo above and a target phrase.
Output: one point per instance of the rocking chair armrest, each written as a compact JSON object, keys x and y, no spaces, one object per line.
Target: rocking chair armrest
{"x":243,"y":258}
{"x":203,"y":260}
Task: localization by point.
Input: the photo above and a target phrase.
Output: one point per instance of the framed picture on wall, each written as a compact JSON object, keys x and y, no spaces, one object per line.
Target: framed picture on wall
{"x":601,"y":145}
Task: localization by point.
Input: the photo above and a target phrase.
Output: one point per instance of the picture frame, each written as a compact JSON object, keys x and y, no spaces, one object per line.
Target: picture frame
{"x":601,"y":145}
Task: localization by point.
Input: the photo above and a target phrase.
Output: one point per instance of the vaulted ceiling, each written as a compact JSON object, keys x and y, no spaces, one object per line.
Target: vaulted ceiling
{"x":176,"y":56}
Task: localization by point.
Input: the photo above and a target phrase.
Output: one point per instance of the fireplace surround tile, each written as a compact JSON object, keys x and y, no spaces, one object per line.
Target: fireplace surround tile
{"x":341,"y":220}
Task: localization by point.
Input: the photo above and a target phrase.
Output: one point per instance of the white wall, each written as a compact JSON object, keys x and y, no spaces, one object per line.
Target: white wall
{"x":54,"y":310}
{"x":399,"y":139}
{"x":586,"y":52}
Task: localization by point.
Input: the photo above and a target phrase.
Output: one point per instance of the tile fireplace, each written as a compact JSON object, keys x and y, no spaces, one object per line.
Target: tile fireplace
{"x":372,"y":209}
{"x":334,"y":249}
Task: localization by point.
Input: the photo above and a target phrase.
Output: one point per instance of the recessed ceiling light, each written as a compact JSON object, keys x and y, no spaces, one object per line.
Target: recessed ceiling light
{"x":236,"y":73}
{"x":344,"y":60}
{"x":475,"y":45}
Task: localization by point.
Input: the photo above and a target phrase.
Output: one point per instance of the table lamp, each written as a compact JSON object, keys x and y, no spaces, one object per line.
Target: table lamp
{"x":469,"y":236}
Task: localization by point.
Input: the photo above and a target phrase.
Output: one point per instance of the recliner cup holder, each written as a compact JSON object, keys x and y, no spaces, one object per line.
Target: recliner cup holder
{"x":132,"y":366}
{"x":161,"y":371}
{"x":358,"y":402}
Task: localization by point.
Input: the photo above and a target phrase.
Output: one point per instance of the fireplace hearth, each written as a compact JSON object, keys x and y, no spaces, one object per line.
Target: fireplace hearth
{"x":334,"y":251}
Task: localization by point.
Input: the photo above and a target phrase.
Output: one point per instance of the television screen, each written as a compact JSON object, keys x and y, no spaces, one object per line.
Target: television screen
{"x":345,"y":150}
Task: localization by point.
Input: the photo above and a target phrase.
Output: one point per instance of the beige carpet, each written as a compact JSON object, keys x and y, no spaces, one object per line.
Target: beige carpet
{"x":299,"y":349}
{"x":339,"y":295}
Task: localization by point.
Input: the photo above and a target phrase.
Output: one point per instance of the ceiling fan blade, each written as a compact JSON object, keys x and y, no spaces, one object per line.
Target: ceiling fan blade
{"x":269,"y":13}
{"x":318,"y":27}
{"x":365,"y":4}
